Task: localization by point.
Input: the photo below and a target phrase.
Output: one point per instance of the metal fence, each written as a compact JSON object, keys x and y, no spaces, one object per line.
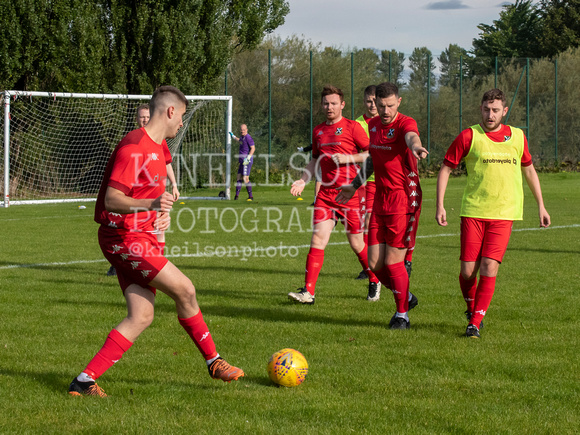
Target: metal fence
{"x":277,"y":93}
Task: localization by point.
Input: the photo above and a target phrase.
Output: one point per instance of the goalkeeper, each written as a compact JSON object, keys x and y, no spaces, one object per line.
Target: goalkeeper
{"x":245,"y":159}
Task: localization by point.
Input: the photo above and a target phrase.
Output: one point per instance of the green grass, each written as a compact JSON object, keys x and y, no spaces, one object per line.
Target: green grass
{"x":57,"y":306}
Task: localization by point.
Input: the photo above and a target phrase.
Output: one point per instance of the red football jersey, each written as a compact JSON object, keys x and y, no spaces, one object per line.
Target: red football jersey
{"x":344,"y":137}
{"x":137,"y":168}
{"x":395,"y":167}
{"x":462,"y":144}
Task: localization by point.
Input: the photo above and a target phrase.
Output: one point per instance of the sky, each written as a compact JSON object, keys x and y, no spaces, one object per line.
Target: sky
{"x":385,"y":24}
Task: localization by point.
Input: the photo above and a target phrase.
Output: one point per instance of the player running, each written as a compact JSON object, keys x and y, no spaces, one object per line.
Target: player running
{"x":132,"y":206}
{"x":338,"y":144}
{"x":394,"y":150}
{"x":495,"y":156}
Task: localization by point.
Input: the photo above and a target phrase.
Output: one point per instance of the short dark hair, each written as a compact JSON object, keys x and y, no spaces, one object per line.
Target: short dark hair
{"x":331,"y":90}
{"x":370,"y":90}
{"x":163,"y":92}
{"x":386,"y":89}
{"x":494,"y":94}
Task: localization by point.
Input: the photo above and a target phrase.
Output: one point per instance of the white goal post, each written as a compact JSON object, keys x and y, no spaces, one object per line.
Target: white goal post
{"x":56,"y":145}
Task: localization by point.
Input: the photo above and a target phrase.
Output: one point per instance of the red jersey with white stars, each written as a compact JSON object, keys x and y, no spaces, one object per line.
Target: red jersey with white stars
{"x":395,"y":167}
{"x":344,"y":137}
{"x":462,"y":144}
{"x":137,"y":168}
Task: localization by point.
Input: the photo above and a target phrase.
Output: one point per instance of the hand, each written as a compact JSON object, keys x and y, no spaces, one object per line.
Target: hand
{"x":301,"y":149}
{"x":175,"y":193}
{"x":346,"y":192}
{"x":544,"y":219}
{"x":297,"y":187}
{"x":420,"y":153}
{"x":441,"y":216}
{"x":162,"y":221}
{"x":163,"y":203}
{"x":246,"y":161}
{"x":232,"y":135}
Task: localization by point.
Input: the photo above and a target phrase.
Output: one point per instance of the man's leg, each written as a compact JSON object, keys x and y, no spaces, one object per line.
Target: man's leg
{"x":140,"y":311}
{"x":314,"y":260}
{"x":485,"y":289}
{"x":359,"y":247}
{"x":238,"y":184}
{"x":248,"y":186}
{"x":171,"y":281}
{"x":468,"y":284}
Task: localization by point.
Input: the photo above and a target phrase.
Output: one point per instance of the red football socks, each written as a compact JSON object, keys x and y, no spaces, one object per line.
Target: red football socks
{"x":468,"y":288}
{"x":111,"y":352}
{"x":197,"y":329}
{"x":314,"y":262}
{"x":400,"y":286}
{"x":383,"y":275}
{"x":483,"y":296}
{"x":363,"y":259}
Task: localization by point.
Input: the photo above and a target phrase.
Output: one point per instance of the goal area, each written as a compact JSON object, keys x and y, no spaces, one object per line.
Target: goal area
{"x":56,"y":145}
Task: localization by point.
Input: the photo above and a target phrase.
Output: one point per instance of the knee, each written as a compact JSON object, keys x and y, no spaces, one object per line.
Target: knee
{"x":185,"y":292}
{"x":141,"y":320}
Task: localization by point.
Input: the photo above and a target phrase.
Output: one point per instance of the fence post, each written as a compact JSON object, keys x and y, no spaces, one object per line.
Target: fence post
{"x":269,"y":108}
{"x":460,"y":93}
{"x":351,"y":85}
{"x":429,"y":108}
{"x":556,"y":109}
{"x":311,"y":90}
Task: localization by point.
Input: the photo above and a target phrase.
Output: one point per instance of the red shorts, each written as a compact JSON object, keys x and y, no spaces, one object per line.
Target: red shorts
{"x":396,"y":230}
{"x":137,"y":257}
{"x":348,"y":214}
{"x":484,"y":238}
{"x":370,"y":189}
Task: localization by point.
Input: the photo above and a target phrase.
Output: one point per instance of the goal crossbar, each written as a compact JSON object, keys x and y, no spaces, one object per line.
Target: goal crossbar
{"x":46,"y":145}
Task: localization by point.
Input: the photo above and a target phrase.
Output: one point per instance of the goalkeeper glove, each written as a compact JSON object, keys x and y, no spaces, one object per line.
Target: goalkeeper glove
{"x":246,"y":161}
{"x":232,"y":135}
{"x":301,"y":149}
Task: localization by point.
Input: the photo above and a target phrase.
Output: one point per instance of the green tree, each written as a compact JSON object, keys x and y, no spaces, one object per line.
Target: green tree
{"x":561,"y":26}
{"x":128,"y":46}
{"x":391,"y":66}
{"x":514,"y":34}
{"x":450,"y":60}
{"x":422,"y":66}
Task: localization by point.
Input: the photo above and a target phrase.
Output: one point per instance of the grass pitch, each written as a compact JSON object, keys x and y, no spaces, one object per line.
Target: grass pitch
{"x":57,"y":306}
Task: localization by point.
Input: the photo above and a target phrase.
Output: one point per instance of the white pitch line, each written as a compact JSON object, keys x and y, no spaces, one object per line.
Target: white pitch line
{"x":68,"y":263}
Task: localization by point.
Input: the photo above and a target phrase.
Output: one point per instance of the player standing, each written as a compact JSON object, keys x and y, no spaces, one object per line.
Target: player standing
{"x":245,"y":160}
{"x":131,"y":206}
{"x":495,"y":155}
{"x":337,"y":145}
{"x":394,"y":150}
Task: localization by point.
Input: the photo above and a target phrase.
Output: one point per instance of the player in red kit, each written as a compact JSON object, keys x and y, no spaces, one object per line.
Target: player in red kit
{"x":338,"y":145}
{"x":394,"y":150}
{"x":496,"y":156}
{"x":132,"y":206}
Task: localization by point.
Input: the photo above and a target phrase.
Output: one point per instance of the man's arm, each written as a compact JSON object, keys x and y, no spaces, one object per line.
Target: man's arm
{"x":298,"y":186}
{"x":342,"y":159}
{"x":414,"y":143}
{"x":347,"y":191}
{"x":534,"y":184}
{"x":442,"y":180}
{"x":117,"y":202}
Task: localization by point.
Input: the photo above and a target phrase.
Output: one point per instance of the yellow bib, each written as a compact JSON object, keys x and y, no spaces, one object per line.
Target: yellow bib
{"x":494,"y":177}
{"x":365,"y":126}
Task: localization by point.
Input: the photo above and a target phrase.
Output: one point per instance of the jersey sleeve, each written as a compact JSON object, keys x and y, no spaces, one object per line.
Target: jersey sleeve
{"x":409,"y":125}
{"x":250,"y":140}
{"x":123,"y":174}
{"x":166,"y":153}
{"x":360,"y":137}
{"x":458,"y":149}
{"x":526,"y":156}
{"x":315,"y":150}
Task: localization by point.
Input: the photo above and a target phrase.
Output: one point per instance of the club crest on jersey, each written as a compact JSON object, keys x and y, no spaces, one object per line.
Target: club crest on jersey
{"x":391,"y":133}
{"x":338,"y":131}
{"x":374,"y":129}
{"x":506,"y":138}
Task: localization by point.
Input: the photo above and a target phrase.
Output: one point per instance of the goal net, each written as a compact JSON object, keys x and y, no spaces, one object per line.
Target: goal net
{"x":56,"y":145}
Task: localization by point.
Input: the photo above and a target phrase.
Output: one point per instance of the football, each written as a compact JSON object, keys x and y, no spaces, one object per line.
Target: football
{"x":287,"y":368}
